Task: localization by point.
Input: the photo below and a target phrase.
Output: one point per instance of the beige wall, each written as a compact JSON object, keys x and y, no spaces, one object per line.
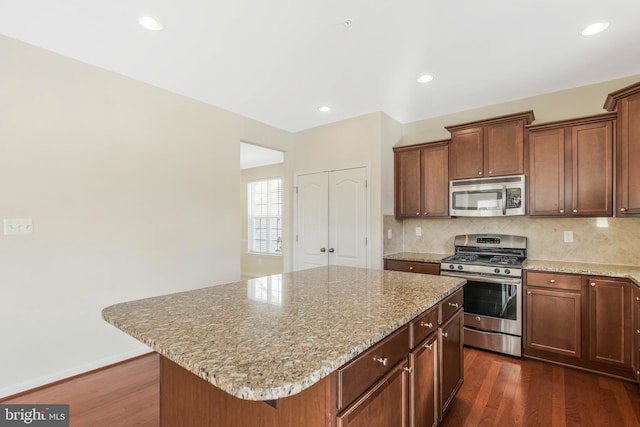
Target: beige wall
{"x":133,"y":192}
{"x":344,"y":144}
{"x":252,"y":264}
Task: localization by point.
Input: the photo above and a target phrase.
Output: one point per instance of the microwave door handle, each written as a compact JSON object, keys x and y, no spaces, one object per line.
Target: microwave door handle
{"x":504,"y":199}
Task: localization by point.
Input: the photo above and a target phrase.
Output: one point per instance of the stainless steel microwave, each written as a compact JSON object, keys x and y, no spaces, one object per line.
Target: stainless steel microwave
{"x":495,"y":196}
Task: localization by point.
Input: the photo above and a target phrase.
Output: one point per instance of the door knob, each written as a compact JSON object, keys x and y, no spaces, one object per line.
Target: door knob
{"x":323,"y":249}
{"x":331,"y":250}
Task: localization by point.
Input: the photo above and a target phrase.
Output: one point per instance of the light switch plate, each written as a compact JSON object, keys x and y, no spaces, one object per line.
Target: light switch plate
{"x":18,"y":226}
{"x":418,"y":231}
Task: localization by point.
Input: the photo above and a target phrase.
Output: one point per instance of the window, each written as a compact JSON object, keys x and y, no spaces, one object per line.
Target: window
{"x":265,"y":212}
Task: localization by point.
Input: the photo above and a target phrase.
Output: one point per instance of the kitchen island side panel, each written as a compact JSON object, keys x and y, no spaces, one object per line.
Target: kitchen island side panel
{"x":187,"y":400}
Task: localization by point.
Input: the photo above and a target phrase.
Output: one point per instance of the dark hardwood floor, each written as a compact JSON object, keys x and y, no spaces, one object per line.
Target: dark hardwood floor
{"x":498,"y":391}
{"x":505,"y":391}
{"x":121,"y":395}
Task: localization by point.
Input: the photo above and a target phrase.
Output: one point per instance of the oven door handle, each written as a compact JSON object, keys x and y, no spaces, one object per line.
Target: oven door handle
{"x":504,"y":199}
{"x":479,"y":278}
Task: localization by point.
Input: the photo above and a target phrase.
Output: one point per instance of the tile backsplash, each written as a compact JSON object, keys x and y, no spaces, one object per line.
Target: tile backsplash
{"x":595,"y":240}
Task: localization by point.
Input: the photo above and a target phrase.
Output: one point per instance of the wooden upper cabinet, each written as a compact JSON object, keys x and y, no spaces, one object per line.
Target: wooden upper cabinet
{"x":422,"y":180}
{"x":493,"y":147}
{"x":571,"y":167}
{"x":626,"y":103}
{"x":467,"y":152}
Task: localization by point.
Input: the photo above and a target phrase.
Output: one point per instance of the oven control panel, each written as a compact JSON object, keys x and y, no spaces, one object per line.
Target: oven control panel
{"x":481,"y":269}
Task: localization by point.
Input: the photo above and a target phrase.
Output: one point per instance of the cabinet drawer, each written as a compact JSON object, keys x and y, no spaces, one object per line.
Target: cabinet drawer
{"x":412,"y":266}
{"x":424,"y":325}
{"x":554,"y":281}
{"x":450,"y":305}
{"x":359,"y":374}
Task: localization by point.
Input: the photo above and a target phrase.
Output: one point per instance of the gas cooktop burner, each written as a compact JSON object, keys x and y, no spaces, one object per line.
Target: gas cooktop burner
{"x":464,"y":257}
{"x":507,"y":260}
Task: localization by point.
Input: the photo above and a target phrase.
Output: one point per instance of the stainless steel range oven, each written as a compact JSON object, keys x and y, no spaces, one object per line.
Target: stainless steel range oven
{"x":492,"y":266}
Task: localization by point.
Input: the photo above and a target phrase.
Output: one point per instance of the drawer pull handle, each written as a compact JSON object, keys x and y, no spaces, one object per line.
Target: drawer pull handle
{"x":427,"y":325}
{"x":409,"y":370}
{"x":552,"y":281}
{"x":445,"y":334}
{"x":454,"y":304}
{"x":528,"y":292}
{"x":429,"y":346}
{"x":593,"y":284}
{"x":411,"y":267}
{"x":381,"y":360}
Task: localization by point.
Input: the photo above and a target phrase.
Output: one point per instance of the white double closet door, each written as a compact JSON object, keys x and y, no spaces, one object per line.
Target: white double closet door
{"x":331,"y":219}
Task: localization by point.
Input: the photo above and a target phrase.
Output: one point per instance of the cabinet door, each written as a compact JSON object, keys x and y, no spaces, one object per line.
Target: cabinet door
{"x":546,"y":173}
{"x":407,"y":184}
{"x":504,"y":149}
{"x":423,"y":404}
{"x":435,"y":181}
{"x":628,"y":156}
{"x":610,"y":328}
{"x":466,"y":156}
{"x":554,"y":324}
{"x":636,"y":332}
{"x":592,"y":169}
{"x":384,"y":404}
{"x":452,"y":360}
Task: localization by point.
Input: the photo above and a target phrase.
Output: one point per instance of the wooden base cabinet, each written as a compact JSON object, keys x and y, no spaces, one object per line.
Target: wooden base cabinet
{"x":412,"y":266}
{"x":451,"y":355}
{"x":581,"y":321}
{"x":610,"y":325}
{"x":423,"y":384}
{"x":636,"y":332}
{"x":384,"y":404}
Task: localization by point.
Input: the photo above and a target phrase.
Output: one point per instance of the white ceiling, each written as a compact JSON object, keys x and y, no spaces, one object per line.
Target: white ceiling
{"x":276,"y":61}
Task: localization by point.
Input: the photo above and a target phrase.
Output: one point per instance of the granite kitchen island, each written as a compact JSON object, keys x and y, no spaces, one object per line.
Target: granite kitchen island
{"x":267,"y":351}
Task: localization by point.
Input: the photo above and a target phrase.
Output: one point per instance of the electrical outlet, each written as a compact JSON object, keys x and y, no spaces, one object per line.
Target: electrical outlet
{"x":418,"y":231}
{"x":568,"y":236}
{"x":18,"y":226}
{"x":389,"y":234}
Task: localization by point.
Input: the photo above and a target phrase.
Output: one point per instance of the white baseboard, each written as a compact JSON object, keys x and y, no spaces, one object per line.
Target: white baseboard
{"x":39,"y":382}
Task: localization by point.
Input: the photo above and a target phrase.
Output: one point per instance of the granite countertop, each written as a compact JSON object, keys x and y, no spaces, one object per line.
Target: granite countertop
{"x":417,"y":256}
{"x":272,"y":337}
{"x":610,"y":270}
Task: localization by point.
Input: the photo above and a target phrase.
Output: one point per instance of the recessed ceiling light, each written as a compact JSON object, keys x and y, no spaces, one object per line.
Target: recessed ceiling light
{"x":324,"y":108}
{"x":150,"y":23}
{"x":595,"y":28}
{"x":425,"y":78}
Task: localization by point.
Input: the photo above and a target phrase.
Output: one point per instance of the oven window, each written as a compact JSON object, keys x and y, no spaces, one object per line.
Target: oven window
{"x":491,"y":299}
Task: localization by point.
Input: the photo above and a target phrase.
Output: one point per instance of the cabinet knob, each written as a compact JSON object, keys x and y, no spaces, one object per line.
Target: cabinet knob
{"x":637,"y":298}
{"x":480,"y":173}
{"x":427,"y":325}
{"x":561,"y":210}
{"x":552,"y":280}
{"x":490,"y":172}
{"x":528,"y":292}
{"x":425,"y":214}
{"x":409,"y":370}
{"x":411,"y":267}
{"x":418,"y":213}
{"x":428,"y":346}
{"x":593,"y":284}
{"x":637,"y":331}
{"x":623,"y":209}
{"x":575,"y":211}
{"x":445,"y":334}
{"x":454,"y":304}
{"x":381,"y":360}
